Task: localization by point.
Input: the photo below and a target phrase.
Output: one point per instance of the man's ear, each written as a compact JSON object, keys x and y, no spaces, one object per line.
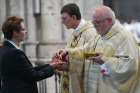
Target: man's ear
{"x":109,"y":19}
{"x":74,"y":17}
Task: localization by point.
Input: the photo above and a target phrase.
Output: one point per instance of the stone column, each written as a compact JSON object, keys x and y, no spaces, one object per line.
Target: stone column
{"x":30,"y":21}
{"x":2,"y":11}
{"x":89,"y":7}
{"x":2,"y":15}
{"x":51,"y":22}
{"x":31,"y":24}
{"x":15,"y":7}
{"x":51,"y":33}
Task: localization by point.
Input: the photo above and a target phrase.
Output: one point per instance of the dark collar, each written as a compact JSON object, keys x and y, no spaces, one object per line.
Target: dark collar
{"x":8,"y":44}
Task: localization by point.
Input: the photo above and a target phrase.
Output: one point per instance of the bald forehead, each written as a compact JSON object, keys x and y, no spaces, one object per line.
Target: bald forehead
{"x":101,"y":12}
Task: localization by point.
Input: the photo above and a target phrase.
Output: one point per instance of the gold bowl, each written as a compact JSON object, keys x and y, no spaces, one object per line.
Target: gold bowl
{"x":93,"y":54}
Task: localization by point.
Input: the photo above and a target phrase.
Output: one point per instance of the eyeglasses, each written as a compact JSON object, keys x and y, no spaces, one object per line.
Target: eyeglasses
{"x":98,"y":22}
{"x":64,"y":18}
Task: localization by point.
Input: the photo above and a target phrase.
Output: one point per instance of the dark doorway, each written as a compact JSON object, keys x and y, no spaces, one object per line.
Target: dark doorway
{"x":126,"y":10}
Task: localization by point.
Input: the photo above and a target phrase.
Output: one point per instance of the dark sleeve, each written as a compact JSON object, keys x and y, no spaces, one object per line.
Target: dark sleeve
{"x":0,"y":83}
{"x":22,"y":68}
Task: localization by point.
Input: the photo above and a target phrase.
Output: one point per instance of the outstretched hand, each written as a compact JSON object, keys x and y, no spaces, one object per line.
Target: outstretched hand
{"x":56,"y":63}
{"x":62,"y":55}
{"x":60,"y":59}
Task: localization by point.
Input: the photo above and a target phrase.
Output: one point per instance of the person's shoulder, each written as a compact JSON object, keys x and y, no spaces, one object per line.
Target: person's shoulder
{"x":90,"y":29}
{"x":90,"y":26}
{"x":13,"y":51}
{"x":17,"y":51}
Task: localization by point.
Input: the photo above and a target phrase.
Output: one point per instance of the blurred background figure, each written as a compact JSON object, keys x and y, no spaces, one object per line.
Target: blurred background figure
{"x":134,"y":27}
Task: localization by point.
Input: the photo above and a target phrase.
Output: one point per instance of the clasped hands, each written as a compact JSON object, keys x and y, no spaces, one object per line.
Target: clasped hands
{"x":60,"y":60}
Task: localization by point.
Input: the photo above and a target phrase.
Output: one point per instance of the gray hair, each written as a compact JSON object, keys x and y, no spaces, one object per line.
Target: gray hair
{"x":107,"y":12}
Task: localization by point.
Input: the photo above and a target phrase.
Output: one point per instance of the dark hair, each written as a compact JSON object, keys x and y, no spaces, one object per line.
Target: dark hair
{"x":71,"y":9}
{"x":10,"y":25}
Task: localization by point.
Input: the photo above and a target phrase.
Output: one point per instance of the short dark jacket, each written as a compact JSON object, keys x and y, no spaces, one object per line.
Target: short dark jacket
{"x":17,"y":73}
